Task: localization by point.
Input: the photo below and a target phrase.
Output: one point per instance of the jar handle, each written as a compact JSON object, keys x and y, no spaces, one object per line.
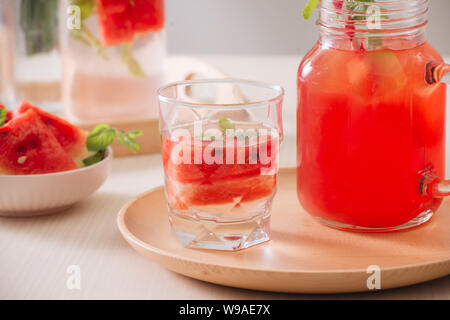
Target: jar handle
{"x":432,"y":185}
{"x":437,"y":72}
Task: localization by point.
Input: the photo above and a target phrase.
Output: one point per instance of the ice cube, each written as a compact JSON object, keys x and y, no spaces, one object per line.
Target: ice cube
{"x":386,"y":72}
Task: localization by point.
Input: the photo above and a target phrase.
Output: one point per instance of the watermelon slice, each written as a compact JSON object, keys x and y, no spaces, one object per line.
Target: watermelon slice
{"x":201,"y":184}
{"x":192,"y":172}
{"x":147,"y":15}
{"x":71,"y":138}
{"x":27,"y":146}
{"x":120,"y":20}
{"x":9,"y":114}
{"x":220,"y":192}
{"x":115,"y":22}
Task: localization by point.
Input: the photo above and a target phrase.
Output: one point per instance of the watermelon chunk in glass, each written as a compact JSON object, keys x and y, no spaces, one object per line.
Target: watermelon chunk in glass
{"x":27,"y":146}
{"x":147,"y":15}
{"x":203,"y":172}
{"x":120,"y":20}
{"x":247,"y":188}
{"x":115,"y":21}
{"x":71,"y":138}
{"x":207,"y":184}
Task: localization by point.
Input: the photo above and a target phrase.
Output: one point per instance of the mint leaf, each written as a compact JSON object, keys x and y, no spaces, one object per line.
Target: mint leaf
{"x":86,"y":7}
{"x":100,"y":138}
{"x":127,"y":139}
{"x":97,"y":157}
{"x":359,"y":6}
{"x":103,"y":135}
{"x":2,"y":116}
{"x":309,"y":8}
{"x":132,"y":64}
{"x":226,"y":124}
{"x":99,"y":128}
{"x":80,"y":36}
{"x":135,"y":133}
{"x":350,"y":5}
{"x":39,"y":23}
{"x":356,"y":10}
{"x":85,"y":36}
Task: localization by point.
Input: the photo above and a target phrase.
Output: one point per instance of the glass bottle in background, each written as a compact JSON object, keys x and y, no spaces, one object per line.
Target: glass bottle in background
{"x":113,"y":58}
{"x":29,"y":60}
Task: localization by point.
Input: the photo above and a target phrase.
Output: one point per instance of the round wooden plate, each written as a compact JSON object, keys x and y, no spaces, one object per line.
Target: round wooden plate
{"x":303,"y":256}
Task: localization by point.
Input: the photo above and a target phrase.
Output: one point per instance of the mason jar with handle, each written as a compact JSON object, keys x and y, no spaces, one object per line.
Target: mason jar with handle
{"x":371,"y":118}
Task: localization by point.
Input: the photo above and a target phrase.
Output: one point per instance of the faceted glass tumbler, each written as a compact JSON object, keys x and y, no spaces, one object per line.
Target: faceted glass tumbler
{"x":220,"y":149}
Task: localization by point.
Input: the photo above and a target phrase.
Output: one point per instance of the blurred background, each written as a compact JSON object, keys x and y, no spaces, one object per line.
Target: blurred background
{"x":96,"y":73}
{"x":262,"y":27}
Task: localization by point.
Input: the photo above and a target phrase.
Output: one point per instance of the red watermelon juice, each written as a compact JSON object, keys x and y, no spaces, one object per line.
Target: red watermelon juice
{"x":369,"y":127}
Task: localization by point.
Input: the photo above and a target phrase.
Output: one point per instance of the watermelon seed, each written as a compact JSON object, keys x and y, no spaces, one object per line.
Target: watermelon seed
{"x":22,"y":159}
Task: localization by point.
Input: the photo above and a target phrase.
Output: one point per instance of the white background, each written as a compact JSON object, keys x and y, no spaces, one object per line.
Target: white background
{"x":263,"y":27}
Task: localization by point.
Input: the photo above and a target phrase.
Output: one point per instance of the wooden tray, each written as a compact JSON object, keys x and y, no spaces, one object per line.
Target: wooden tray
{"x":303,"y":256}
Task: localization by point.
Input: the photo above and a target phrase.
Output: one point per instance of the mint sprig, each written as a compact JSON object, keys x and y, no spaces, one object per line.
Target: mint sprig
{"x":39,"y":23}
{"x":2,"y":116}
{"x":127,"y":139}
{"x":309,"y":8}
{"x":350,"y":5}
{"x":225,"y":124}
{"x":96,"y":157}
{"x":86,"y":7}
{"x":102,"y":136}
{"x":359,"y":6}
{"x":84,"y":35}
{"x":128,"y":59}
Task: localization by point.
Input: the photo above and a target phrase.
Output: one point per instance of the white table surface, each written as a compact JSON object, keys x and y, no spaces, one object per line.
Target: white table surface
{"x":35,"y":253}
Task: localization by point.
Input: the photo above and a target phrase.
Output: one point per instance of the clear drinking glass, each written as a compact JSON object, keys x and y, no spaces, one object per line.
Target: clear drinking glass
{"x":220,"y":147}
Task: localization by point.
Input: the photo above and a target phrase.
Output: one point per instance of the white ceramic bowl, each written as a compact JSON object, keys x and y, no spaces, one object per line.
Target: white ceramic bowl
{"x":39,"y":194}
